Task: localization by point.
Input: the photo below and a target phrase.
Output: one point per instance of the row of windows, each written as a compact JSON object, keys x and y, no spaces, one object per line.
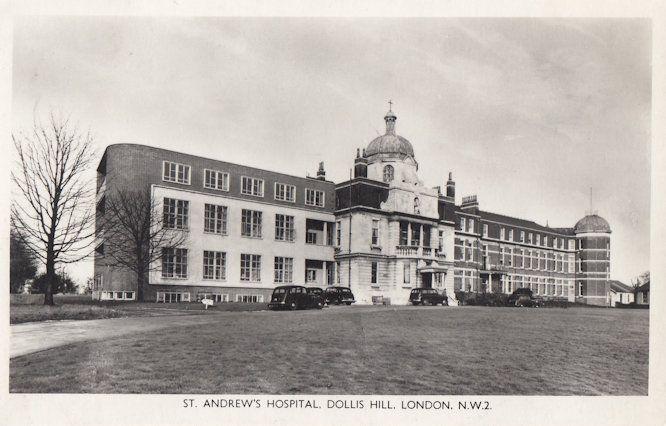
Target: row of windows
{"x":515,"y":257}
{"x":466,"y":224}
{"x":219,"y":180}
{"x":117,"y":295}
{"x":184,"y":296}
{"x":174,"y":265}
{"x":176,"y":216}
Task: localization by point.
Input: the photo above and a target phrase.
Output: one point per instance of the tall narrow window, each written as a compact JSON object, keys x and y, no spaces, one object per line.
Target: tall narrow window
{"x":485,"y":230}
{"x":416,"y":235}
{"x":373,"y":273}
{"x":404,"y":233}
{"x":250,"y":267}
{"x":175,"y":213}
{"x":215,"y":219}
{"x":338,"y":233}
{"x":406,"y":273}
{"x":388,"y":173}
{"x":375,"y":232}
{"x":214,"y":265}
{"x":251,"y":223}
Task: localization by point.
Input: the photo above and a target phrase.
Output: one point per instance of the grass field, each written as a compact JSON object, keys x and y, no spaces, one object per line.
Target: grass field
{"x":75,"y":309}
{"x":358,"y":350}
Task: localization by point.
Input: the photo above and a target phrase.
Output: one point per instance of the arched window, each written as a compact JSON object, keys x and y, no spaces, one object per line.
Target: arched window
{"x":388,"y":173}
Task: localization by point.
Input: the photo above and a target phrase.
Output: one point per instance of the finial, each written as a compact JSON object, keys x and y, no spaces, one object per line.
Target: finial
{"x":390,"y":102}
{"x":363,"y":152}
{"x":358,"y":152}
{"x":450,"y":175}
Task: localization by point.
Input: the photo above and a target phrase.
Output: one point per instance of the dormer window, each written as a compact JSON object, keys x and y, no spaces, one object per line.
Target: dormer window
{"x":388,"y":173}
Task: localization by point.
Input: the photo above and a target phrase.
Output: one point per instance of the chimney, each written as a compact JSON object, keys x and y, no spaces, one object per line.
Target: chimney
{"x":451,"y":187}
{"x":470,"y":204}
{"x":321,"y":173}
{"x":360,"y":165}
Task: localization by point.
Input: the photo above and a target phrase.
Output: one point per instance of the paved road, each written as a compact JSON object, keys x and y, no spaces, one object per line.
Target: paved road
{"x":38,"y":336}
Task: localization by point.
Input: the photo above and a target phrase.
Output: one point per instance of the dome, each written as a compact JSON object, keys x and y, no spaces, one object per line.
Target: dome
{"x":592,"y":223}
{"x":390,"y":143}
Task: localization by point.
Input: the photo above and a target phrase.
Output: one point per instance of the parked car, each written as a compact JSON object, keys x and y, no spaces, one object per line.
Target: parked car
{"x":338,"y":296}
{"x":427,"y":296}
{"x":523,"y":297}
{"x":292,"y":297}
{"x":317,"y":296}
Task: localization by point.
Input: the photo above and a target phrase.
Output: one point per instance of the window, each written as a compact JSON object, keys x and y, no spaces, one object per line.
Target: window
{"x":215,"y":297}
{"x":510,"y":234}
{"x":404,"y":233}
{"x":176,"y":213}
{"x":463,"y":224}
{"x":249,"y":298}
{"x":252,"y":186}
{"x":250,"y":267}
{"x":502,"y":233}
{"x":522,"y":236}
{"x":311,"y":237}
{"x":215,"y":219}
{"x":572,"y":244}
{"x":440,"y":240}
{"x":416,"y":235}
{"x":214,"y":265}
{"x":285,"y":192}
{"x":214,"y":179}
{"x":251,"y":223}
{"x":129,"y":295}
{"x":485,"y":230}
{"x":314,"y":197}
{"x":174,"y":172}
{"x":529,"y":238}
{"x":310,"y":275}
{"x":580,"y":288}
{"x":470,"y":225}
{"x":388,"y":173}
{"x":375,"y":232}
{"x":338,"y":233}
{"x":172,"y":297}
{"x":373,"y":273}
{"x":284,"y":269}
{"x":406,"y":273}
{"x":538,"y":239}
{"x":174,"y":263}
{"x":284,"y":228}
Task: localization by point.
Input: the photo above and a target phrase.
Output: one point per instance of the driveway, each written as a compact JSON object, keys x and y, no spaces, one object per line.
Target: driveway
{"x":38,"y":336}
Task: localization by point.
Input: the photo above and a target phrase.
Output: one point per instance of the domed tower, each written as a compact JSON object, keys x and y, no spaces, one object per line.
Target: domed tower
{"x":391,"y":157}
{"x":593,"y":260}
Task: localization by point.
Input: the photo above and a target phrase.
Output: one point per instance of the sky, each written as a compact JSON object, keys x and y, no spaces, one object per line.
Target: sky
{"x":528,"y":114}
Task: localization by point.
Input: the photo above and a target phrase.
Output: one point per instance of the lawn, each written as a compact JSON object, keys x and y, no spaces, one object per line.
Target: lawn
{"x":362,"y":350}
{"x":83,"y":309}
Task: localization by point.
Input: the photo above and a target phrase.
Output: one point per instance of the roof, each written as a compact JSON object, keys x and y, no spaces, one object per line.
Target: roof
{"x":390,"y":143}
{"x":523,"y":223}
{"x":620,"y":287}
{"x":592,"y":223}
{"x":644,"y":287}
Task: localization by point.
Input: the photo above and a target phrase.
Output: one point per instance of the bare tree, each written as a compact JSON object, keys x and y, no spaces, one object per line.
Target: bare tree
{"x":134,"y":232}
{"x":53,"y":213}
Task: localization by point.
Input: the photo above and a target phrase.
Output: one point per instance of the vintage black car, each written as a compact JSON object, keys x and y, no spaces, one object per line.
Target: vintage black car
{"x":317,"y":296}
{"x":427,"y":296}
{"x":338,"y":296}
{"x":293,"y":297}
{"x":523,"y":297}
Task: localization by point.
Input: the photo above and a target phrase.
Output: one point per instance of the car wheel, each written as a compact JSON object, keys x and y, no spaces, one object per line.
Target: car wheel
{"x":320,"y":305}
{"x":415,"y":303}
{"x":293,"y":306}
{"x":348,"y":303}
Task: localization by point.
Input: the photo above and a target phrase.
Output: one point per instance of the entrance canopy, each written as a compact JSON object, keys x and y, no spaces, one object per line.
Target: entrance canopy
{"x":432,"y":269}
